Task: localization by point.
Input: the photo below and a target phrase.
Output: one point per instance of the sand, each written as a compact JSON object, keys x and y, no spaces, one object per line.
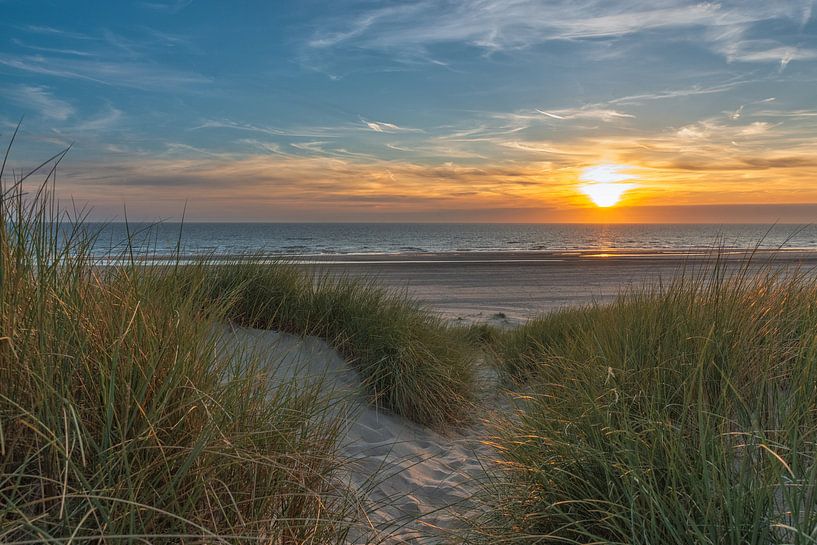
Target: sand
{"x":413,"y":484}
{"x":475,"y":287}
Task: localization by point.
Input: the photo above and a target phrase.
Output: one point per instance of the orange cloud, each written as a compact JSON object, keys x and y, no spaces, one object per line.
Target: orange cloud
{"x":725,"y":161}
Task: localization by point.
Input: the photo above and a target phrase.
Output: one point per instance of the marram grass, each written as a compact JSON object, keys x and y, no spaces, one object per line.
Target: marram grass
{"x":124,"y":420}
{"x":680,"y":414}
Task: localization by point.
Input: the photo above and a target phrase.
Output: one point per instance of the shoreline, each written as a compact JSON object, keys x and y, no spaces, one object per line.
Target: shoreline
{"x":479,"y":255}
{"x":516,"y":288}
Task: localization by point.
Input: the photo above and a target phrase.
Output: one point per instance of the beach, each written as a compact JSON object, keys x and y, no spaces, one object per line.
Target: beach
{"x":479,"y":286}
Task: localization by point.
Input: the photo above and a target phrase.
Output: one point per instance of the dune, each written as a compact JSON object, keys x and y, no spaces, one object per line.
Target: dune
{"x":414,"y":484}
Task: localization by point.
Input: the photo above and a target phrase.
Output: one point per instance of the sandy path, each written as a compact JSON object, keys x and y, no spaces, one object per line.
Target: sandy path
{"x":414,"y":483}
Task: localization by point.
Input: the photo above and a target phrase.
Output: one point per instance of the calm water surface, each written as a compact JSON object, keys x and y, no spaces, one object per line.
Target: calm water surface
{"x":411,"y":238}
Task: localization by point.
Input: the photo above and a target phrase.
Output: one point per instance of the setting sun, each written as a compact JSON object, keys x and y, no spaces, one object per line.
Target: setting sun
{"x":605,"y":195}
{"x":605,"y":189}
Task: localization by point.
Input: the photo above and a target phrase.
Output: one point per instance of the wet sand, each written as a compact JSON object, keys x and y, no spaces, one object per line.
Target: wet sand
{"x":477,"y":287}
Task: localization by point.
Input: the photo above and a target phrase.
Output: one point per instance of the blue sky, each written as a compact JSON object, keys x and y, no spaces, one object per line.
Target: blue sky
{"x":471,"y":110}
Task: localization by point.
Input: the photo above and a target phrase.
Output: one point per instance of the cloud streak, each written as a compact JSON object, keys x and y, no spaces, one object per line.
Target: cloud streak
{"x":594,"y":113}
{"x":40,"y":99}
{"x":497,"y":25}
{"x":108,"y":59}
{"x":136,"y":75}
{"x":380,"y":126}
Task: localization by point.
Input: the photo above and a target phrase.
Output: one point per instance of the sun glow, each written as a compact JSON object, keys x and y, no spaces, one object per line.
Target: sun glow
{"x":605,"y":189}
{"x":605,"y":195}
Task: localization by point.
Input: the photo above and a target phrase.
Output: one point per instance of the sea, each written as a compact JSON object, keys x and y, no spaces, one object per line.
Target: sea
{"x":333,"y":239}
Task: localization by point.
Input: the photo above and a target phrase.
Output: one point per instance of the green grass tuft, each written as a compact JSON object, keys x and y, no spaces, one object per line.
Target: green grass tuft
{"x":678,"y":415}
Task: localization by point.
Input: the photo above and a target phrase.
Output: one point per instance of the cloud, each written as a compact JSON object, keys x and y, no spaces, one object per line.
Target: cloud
{"x":170,"y":6}
{"x":234,"y":125}
{"x":353,"y":133}
{"x":379,"y":126}
{"x":755,"y":129}
{"x":108,"y":58}
{"x":58,"y":50}
{"x":311,"y":182}
{"x":270,"y":147}
{"x":41,"y":99}
{"x":297,"y":132}
{"x":715,"y":131}
{"x":765,"y":51}
{"x":317,"y":186}
{"x":321,"y":150}
{"x":109,"y":118}
{"x":138,"y":75}
{"x":599,"y":114}
{"x":437,"y":148}
{"x":550,"y":114}
{"x":755,"y":161}
{"x":360,"y":25}
{"x":804,"y":114}
{"x":495,"y":24}
{"x":498,"y":25}
{"x":678,"y":93}
{"x":47,"y":30}
{"x":540,"y":147}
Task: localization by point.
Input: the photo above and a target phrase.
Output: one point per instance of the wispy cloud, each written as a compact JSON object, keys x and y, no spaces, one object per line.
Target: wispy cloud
{"x":668,"y":94}
{"x":105,"y":120}
{"x":380,"y":126}
{"x":358,"y":27}
{"x":40,"y":99}
{"x":299,"y":132}
{"x":48,"y":30}
{"x":766,"y":51}
{"x":138,"y":75}
{"x":269,"y":147}
{"x":599,"y":114}
{"x":317,"y":180}
{"x":106,"y":57}
{"x":325,"y":150}
{"x":500,"y":25}
{"x":801,"y":114}
{"x":168,"y":6}
{"x":57,"y":50}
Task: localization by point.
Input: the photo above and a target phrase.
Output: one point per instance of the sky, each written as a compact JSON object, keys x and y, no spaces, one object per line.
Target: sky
{"x":463,"y":110}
